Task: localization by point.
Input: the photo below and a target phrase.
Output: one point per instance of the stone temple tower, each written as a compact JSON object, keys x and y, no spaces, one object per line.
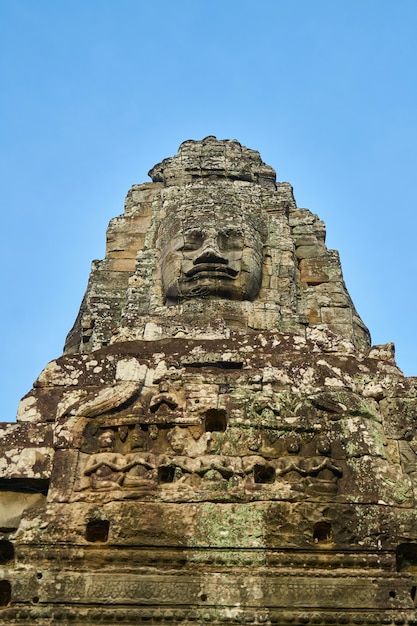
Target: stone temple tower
{"x":219,"y":442}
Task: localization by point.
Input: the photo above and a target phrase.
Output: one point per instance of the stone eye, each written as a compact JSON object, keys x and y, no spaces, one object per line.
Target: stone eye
{"x":230,"y":239}
{"x":193,"y":240}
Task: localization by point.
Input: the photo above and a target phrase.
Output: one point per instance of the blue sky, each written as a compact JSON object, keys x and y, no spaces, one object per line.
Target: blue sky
{"x":95,"y":92}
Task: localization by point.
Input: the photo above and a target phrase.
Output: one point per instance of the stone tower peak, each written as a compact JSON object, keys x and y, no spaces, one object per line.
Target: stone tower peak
{"x":263,"y":265}
{"x":213,"y":158}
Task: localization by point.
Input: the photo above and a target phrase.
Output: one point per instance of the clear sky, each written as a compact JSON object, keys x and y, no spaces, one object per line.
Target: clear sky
{"x":93,"y":93}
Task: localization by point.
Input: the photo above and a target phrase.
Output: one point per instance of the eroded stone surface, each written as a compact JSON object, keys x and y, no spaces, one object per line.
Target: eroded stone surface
{"x":219,"y":442}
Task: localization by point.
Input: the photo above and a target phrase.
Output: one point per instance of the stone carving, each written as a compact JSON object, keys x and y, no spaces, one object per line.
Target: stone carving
{"x":407,"y":448}
{"x":129,"y":379}
{"x":219,"y":442}
{"x":219,"y":257}
{"x":140,"y":466}
{"x":322,"y":471}
{"x":105,"y":468}
{"x":214,"y":243}
{"x":189,"y":458}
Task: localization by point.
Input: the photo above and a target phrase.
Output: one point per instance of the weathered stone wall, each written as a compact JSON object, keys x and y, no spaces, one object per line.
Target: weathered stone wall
{"x":219,"y":442}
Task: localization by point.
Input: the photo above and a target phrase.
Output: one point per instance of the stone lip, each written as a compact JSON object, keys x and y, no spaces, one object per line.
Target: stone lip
{"x":213,"y":158}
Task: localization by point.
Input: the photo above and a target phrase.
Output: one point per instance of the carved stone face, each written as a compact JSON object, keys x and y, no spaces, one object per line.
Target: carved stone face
{"x":218,"y":255}
{"x":106,"y":440}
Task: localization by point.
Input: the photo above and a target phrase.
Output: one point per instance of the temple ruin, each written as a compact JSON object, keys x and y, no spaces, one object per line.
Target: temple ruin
{"x":219,"y":443}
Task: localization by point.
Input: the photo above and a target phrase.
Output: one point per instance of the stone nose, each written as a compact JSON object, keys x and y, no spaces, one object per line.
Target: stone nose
{"x":210,"y":254}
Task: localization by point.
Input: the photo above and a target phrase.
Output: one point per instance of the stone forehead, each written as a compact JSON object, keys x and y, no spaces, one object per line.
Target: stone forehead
{"x":213,"y":158}
{"x":107,"y":434}
{"x":222,"y":202}
{"x":186,"y":217}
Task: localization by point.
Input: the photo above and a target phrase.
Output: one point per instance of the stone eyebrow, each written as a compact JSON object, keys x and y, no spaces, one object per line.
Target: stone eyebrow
{"x":193,"y":231}
{"x":231,"y":230}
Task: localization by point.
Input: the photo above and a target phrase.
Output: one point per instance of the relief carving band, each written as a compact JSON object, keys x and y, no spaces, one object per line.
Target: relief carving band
{"x":218,"y":256}
{"x":180,"y":463}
